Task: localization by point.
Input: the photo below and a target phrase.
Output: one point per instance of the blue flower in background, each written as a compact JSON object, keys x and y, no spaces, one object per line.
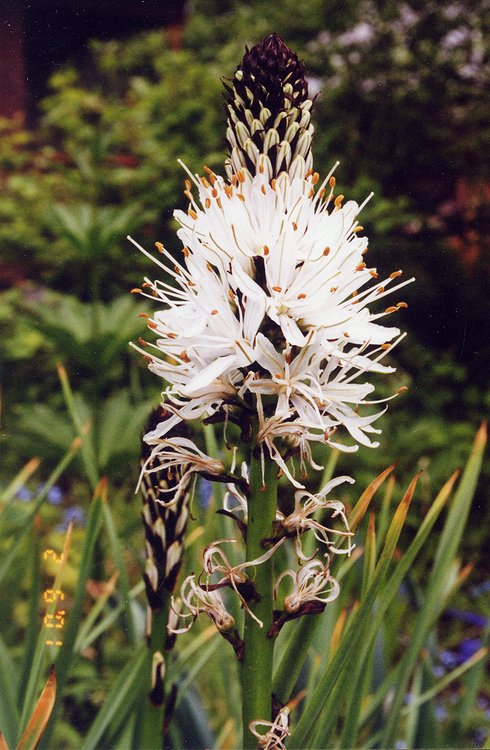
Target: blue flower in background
{"x":205,"y":492}
{"x":55,"y":496}
{"x":23,"y":494}
{"x":75,"y":514}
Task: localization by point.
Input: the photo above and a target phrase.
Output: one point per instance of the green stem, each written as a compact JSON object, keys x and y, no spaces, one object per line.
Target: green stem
{"x":153,"y":730}
{"x":258,"y":647}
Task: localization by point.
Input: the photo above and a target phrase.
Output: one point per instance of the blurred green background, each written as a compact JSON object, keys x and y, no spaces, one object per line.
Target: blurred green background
{"x":401,"y":100}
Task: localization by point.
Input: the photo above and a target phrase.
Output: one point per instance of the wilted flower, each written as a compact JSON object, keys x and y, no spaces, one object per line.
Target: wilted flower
{"x":277,"y":731}
{"x":302,"y":519}
{"x":312,"y":582}
{"x":197,"y":600}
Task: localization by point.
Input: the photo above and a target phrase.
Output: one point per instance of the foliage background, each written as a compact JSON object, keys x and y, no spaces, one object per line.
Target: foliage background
{"x":402,"y":98}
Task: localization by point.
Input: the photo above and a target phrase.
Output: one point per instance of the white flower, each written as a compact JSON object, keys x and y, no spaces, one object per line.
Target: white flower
{"x":309,"y":248}
{"x":272,"y":300}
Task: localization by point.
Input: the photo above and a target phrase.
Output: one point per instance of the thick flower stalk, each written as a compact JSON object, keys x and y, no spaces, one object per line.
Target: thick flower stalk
{"x":271,"y":320}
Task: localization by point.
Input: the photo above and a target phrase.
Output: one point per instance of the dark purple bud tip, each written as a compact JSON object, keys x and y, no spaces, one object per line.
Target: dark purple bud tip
{"x":267,"y":68}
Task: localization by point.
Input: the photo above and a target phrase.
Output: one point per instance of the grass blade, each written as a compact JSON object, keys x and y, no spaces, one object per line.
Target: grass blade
{"x":40,"y":717}
{"x":67,"y":652}
{"x":38,"y":660}
{"x":26,"y":528}
{"x":444,"y":557}
{"x":125,"y":690}
{"x":362,"y":505}
{"x":31,"y":632}
{"x":17,"y":482}
{"x":88,"y":450}
{"x":121,"y":567}
{"x":9,"y":714}
{"x":357,"y":629}
{"x":296,"y":652}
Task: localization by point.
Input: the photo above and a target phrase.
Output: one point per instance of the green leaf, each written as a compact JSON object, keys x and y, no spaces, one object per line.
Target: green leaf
{"x":9,"y":714}
{"x":118,"y":703}
{"x":9,"y":556}
{"x":19,"y":481}
{"x":435,"y":594}
{"x":67,"y":654}
{"x":40,"y":717}
{"x":82,"y":429}
{"x":297,"y":649}
{"x":359,"y":625}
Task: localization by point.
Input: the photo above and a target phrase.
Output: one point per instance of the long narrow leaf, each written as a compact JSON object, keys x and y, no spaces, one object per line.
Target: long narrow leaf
{"x":123,"y":693}
{"x":39,"y":657}
{"x":17,"y":482}
{"x":297,"y":649}
{"x":445,"y":553}
{"x":9,"y":715}
{"x":40,"y":717}
{"x":444,"y":682}
{"x":31,"y":633}
{"x":67,"y":653}
{"x":88,"y":451}
{"x":356,"y":631}
{"x":123,"y":576}
{"x":26,"y":528}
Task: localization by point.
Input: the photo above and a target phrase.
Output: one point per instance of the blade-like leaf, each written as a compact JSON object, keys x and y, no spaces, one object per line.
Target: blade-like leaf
{"x":18,"y":481}
{"x":88,"y":452}
{"x":9,"y":715}
{"x":38,"y":659}
{"x":40,"y":717}
{"x":67,"y":654}
{"x":356,"y":631}
{"x":10,"y":555}
{"x":296,"y":651}
{"x":124,"y":691}
{"x":444,"y":557}
{"x":360,"y":508}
